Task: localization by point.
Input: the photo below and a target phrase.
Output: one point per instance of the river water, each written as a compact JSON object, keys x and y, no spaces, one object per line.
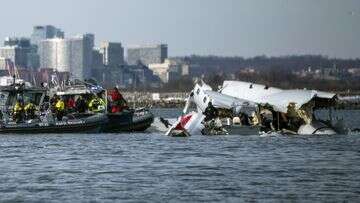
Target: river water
{"x":150,"y":167}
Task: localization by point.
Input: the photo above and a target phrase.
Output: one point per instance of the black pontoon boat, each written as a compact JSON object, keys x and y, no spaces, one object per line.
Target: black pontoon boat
{"x":45,"y":121}
{"x":84,"y":124}
{"x":127,"y":120}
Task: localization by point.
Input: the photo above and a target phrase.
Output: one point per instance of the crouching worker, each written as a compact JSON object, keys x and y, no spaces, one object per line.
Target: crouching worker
{"x":59,"y":109}
{"x":30,"y":110}
{"x":96,"y":104}
{"x":18,"y":111}
{"x":210,"y":112}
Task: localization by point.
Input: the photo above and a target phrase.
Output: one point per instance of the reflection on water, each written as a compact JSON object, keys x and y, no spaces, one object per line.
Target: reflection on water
{"x":154,"y":167}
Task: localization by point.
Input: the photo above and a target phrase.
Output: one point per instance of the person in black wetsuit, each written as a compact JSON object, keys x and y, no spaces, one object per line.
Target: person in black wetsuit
{"x":210,"y":112}
{"x":80,"y":105}
{"x":266,"y":122}
{"x":165,"y":122}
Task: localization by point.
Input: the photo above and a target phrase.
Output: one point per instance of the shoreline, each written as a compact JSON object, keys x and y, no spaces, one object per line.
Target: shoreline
{"x":178,"y":100}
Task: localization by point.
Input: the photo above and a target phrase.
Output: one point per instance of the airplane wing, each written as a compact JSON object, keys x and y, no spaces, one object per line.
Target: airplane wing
{"x":224,"y":101}
{"x":247,"y":91}
{"x":279,"y":99}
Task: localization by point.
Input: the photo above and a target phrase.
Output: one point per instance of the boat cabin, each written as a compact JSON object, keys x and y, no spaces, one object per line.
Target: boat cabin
{"x":10,"y":94}
{"x":84,"y":90}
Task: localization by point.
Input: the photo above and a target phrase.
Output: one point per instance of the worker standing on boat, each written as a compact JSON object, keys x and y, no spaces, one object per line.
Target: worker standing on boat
{"x":18,"y":111}
{"x":59,"y":109}
{"x":70,"y":104}
{"x":117,"y":103}
{"x":96,"y":104}
{"x":53,"y":101}
{"x":30,"y":110}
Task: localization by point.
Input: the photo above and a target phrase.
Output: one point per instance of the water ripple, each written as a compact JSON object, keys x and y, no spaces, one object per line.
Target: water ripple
{"x":155,"y":168}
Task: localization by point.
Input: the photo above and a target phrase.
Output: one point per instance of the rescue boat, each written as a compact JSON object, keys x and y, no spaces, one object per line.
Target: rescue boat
{"x":122,"y":120}
{"x":45,"y":122}
{"x":84,"y":124}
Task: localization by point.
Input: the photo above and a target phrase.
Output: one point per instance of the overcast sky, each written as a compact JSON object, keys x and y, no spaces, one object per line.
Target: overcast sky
{"x":218,"y":27}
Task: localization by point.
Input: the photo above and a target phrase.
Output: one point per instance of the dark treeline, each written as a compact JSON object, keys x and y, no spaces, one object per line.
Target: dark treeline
{"x":233,"y":64}
{"x":284,"y":79}
{"x":272,"y":71}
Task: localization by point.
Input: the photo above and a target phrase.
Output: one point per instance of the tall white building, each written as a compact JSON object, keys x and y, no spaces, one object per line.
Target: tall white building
{"x":72,"y":55}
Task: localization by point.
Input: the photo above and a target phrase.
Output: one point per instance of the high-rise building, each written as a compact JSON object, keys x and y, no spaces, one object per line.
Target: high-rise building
{"x":45,"y":32}
{"x":112,"y":52}
{"x":97,"y":59}
{"x":147,"y":54}
{"x":82,"y":45}
{"x":17,"y":55}
{"x":73,"y":55}
{"x":29,"y":58}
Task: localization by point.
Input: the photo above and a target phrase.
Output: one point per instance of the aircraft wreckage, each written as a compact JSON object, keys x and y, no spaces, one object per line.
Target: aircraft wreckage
{"x":247,"y":108}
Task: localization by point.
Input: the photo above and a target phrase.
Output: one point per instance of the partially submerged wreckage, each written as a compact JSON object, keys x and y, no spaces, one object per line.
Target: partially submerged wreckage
{"x":247,"y":108}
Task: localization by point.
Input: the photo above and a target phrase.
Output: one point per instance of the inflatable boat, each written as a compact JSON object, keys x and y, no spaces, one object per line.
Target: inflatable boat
{"x":73,"y":124}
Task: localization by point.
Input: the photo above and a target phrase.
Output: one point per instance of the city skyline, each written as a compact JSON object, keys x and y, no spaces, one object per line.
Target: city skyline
{"x":227,"y":28}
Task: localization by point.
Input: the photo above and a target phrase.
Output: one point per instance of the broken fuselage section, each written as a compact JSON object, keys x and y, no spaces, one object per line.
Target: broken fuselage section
{"x":247,"y":108}
{"x":233,"y":115}
{"x":287,"y":111}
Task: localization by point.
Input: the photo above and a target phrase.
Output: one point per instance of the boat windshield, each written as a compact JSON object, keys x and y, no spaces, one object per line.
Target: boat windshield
{"x":33,"y":97}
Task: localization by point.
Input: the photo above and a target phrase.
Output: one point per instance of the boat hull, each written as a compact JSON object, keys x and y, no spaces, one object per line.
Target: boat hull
{"x":129,"y":121}
{"x":92,"y":124}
